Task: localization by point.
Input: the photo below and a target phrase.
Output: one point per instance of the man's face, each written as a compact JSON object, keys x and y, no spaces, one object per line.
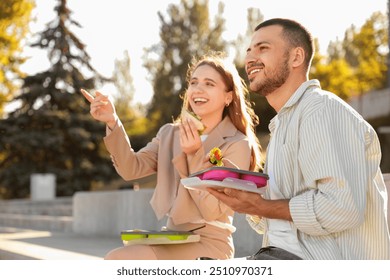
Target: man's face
{"x":267,"y":60}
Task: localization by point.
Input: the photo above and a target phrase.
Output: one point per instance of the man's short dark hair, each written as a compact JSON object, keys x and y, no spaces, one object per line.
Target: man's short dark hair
{"x":296,"y":35}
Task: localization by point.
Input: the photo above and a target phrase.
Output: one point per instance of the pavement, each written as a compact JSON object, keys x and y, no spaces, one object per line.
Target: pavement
{"x":28,"y":244}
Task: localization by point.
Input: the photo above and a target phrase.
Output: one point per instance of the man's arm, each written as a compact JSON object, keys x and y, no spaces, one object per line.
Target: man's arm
{"x":253,"y":204}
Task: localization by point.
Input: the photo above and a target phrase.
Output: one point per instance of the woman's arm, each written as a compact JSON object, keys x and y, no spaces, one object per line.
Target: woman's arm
{"x":128,"y":163}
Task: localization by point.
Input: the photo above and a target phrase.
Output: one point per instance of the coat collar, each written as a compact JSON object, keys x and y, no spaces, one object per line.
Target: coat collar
{"x":216,"y":137}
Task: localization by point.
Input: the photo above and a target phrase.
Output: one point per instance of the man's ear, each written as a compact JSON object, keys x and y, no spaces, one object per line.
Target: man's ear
{"x":298,"y":57}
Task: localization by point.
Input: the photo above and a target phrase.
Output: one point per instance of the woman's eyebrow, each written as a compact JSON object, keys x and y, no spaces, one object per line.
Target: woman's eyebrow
{"x":206,"y":79}
{"x":210,"y":80}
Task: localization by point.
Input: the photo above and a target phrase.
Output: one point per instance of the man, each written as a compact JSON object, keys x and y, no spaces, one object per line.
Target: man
{"x":326,"y":198}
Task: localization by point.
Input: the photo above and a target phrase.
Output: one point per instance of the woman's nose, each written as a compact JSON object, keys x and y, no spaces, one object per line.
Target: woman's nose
{"x":198,"y":88}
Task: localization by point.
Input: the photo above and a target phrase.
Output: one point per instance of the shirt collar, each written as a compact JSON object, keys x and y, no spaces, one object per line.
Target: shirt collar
{"x":299,"y":92}
{"x":294,"y":99}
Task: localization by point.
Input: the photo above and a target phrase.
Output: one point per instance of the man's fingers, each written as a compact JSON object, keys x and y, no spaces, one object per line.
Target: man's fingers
{"x":221,"y":195}
{"x":227,"y":191}
{"x":87,"y":95}
{"x":228,"y":195}
{"x":232,"y":193}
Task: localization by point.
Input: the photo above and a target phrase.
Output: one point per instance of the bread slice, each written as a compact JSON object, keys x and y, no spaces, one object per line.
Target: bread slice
{"x":185,"y":115}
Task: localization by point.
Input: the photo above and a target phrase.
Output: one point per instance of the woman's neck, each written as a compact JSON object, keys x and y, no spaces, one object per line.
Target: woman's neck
{"x":210,"y":123}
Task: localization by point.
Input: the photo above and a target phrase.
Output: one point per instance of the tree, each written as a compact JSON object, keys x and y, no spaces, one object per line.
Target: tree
{"x":123,"y":82}
{"x":357,"y":64}
{"x":371,"y":43}
{"x":131,"y":115}
{"x":335,"y":74}
{"x":52,"y":130}
{"x":338,"y":77}
{"x":186,"y":33}
{"x":15,"y":16}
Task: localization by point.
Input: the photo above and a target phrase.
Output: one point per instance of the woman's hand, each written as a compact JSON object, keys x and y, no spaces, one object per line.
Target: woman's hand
{"x":189,"y":137}
{"x":101,"y":108}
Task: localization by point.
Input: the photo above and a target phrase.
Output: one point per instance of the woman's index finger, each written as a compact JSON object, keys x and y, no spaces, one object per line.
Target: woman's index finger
{"x":87,"y":95}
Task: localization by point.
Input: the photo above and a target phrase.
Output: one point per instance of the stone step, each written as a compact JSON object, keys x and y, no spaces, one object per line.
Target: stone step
{"x":59,"y":210}
{"x":56,"y":207}
{"x":37,"y":222}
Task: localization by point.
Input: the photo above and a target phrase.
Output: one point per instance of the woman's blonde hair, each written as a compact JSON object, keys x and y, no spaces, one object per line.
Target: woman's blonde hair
{"x":239,"y":110}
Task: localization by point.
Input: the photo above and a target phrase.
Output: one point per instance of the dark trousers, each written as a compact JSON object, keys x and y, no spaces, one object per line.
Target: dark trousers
{"x":273,"y":253}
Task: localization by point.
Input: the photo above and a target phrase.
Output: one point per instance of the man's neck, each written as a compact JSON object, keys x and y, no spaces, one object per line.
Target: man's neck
{"x":278,"y":98}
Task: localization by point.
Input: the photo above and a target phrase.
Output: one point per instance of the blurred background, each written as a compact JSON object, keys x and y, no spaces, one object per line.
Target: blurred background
{"x":139,"y":52}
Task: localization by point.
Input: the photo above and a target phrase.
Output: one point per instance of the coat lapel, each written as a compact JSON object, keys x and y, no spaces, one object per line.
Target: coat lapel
{"x":217,"y":136}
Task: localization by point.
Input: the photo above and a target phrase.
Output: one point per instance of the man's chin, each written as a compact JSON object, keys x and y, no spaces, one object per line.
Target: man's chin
{"x":259,"y":92}
{"x":255,"y":89}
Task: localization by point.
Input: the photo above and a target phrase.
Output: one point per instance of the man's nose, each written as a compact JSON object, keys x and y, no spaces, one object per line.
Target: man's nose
{"x":250,"y":58}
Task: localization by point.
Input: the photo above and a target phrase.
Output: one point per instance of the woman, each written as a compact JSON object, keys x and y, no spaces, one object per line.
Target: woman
{"x":216,"y":94}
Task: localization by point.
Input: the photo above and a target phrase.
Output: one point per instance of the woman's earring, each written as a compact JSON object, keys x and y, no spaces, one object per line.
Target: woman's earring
{"x":227,"y":104}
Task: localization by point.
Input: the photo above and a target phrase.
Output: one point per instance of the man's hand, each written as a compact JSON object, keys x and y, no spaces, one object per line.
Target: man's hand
{"x":239,"y":201}
{"x":253,"y":204}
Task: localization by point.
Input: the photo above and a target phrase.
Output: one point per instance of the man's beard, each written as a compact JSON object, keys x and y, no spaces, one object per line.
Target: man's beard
{"x":272,"y":80}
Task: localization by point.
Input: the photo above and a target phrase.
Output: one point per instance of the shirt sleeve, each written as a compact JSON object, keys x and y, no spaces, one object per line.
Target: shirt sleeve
{"x":335,"y":169}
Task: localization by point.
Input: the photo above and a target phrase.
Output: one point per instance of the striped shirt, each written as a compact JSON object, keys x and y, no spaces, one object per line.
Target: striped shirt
{"x":327,"y":163}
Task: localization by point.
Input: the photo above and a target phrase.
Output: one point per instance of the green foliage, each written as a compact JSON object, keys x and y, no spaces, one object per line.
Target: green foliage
{"x":372,"y":43}
{"x":358,"y":64}
{"x":131,"y":115}
{"x":15,"y":16}
{"x":123,"y":82}
{"x":186,"y":33}
{"x":52,"y":130}
{"x":337,"y":77}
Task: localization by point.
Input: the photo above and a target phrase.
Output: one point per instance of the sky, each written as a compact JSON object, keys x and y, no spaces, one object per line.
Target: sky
{"x":111,"y":27}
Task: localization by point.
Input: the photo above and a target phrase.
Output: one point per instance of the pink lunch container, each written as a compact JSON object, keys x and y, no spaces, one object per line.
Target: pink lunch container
{"x":259,"y":181}
{"x":219,"y":175}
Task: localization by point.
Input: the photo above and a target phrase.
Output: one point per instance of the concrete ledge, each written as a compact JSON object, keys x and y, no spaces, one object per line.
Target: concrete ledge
{"x":56,"y":207}
{"x":107,"y":213}
{"x":52,"y":223}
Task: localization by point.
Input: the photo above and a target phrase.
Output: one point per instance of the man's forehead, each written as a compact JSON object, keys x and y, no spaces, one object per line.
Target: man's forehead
{"x":266,"y":34}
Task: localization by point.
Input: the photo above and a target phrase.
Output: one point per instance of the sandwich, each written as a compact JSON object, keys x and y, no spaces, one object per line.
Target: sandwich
{"x":187,"y":115}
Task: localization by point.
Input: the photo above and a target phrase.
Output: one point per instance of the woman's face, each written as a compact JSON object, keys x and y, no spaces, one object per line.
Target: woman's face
{"x":207,"y":95}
